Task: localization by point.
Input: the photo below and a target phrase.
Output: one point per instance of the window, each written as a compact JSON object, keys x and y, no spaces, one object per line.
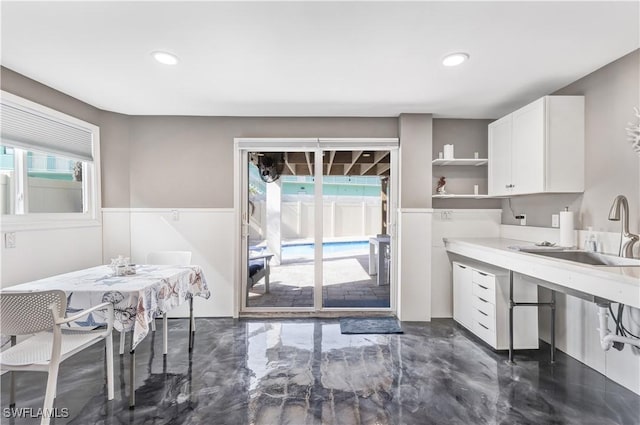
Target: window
{"x":49,"y":167}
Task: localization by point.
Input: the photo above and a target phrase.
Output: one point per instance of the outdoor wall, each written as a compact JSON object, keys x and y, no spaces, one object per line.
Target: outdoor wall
{"x":341,"y":219}
{"x":611,"y":166}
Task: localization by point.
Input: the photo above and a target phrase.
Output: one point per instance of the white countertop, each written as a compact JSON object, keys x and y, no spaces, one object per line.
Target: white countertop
{"x":617,"y":284}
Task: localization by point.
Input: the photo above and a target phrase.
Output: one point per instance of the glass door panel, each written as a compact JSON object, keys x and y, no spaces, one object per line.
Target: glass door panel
{"x":355,"y":247}
{"x":281,"y":225}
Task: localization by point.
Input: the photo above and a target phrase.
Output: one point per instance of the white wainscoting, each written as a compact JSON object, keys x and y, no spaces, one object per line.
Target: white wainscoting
{"x":577,"y":320}
{"x":48,"y":252}
{"x":207,"y":233}
{"x":414,"y":255}
{"x":455,"y":223}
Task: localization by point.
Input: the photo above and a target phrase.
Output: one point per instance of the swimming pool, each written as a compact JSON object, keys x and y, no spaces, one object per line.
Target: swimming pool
{"x":329,"y":249}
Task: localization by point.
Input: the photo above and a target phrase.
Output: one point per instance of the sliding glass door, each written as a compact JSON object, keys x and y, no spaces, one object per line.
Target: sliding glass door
{"x":316,"y":224}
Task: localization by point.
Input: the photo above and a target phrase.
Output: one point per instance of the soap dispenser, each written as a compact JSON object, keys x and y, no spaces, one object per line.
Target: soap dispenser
{"x":591,"y":242}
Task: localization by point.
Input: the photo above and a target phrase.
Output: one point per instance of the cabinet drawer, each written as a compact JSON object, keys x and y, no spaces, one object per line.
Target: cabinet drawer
{"x":486,"y":294}
{"x":484,"y":307}
{"x":484,"y":279}
{"x":487,"y":322}
{"x":486,"y":334}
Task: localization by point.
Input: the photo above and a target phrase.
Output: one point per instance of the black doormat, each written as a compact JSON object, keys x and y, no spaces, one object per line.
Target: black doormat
{"x":370,"y":325}
{"x":356,"y":303}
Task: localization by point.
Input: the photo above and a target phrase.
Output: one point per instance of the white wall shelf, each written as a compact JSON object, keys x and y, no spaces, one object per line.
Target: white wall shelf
{"x":461,"y":161}
{"x":461,"y":196}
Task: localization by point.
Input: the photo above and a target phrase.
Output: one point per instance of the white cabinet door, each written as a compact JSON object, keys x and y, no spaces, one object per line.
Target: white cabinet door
{"x":528,"y":148}
{"x":462,"y":296}
{"x":500,"y":157}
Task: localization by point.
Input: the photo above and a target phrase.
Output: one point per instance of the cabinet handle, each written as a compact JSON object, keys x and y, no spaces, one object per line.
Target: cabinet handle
{"x":483,"y":287}
{"x":483,"y":300}
{"x":461,"y":266}
{"x":483,"y":274}
{"x":483,"y":313}
{"x":483,"y":326}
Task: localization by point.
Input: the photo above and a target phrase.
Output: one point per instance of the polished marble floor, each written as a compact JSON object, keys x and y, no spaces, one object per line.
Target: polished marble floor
{"x":303,"y":371}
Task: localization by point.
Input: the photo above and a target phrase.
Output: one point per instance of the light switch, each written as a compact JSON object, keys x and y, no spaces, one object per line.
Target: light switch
{"x":555,"y":220}
{"x":10,"y":240}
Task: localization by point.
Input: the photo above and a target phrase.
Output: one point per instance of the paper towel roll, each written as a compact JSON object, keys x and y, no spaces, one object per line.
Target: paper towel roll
{"x":448,"y":151}
{"x":567,"y":229}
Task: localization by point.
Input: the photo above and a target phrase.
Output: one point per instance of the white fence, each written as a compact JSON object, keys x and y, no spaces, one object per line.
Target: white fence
{"x":341,"y":219}
{"x":45,"y":195}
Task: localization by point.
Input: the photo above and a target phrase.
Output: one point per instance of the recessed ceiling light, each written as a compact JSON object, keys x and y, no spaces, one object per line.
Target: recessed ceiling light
{"x":455,"y":59}
{"x":165,"y":58}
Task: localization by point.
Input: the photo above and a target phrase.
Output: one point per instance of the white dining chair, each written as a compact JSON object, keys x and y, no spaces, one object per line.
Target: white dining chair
{"x":43,"y":314}
{"x":181,"y":258}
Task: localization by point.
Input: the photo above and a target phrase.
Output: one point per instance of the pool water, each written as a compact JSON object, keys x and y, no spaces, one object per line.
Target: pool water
{"x":328,"y":249}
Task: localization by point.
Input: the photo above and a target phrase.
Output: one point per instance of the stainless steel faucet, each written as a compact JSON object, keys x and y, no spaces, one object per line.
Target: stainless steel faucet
{"x":621,"y":207}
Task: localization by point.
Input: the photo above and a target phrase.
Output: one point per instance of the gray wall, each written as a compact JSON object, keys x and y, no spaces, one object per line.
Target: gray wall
{"x":611,"y":166}
{"x":187,"y":162}
{"x":416,"y":132}
{"x":467,"y":136}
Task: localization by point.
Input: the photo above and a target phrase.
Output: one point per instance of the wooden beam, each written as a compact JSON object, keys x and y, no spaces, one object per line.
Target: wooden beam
{"x":354,"y":158}
{"x":381,"y":168}
{"x":377,"y":157}
{"x":286,"y":161}
{"x":332,"y":156}
{"x":307,"y":156}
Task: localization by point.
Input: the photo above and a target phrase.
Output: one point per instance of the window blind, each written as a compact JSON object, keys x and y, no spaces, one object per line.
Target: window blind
{"x":24,"y":129}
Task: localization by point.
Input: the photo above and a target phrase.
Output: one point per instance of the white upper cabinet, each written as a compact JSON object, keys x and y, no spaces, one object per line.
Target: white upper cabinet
{"x":499,"y":172}
{"x":538,"y":148}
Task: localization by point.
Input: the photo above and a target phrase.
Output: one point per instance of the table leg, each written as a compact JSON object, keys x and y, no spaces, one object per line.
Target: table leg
{"x":553,"y":326}
{"x":165,"y":334}
{"x":191,"y":327}
{"x":372,"y":259}
{"x":132,"y":379}
{"x":511,"y":305}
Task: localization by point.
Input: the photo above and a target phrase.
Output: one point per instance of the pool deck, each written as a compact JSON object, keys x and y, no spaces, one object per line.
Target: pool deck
{"x":347,"y":284}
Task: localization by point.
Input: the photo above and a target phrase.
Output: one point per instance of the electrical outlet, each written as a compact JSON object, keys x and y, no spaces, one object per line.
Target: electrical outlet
{"x":555,"y":220}
{"x":175,"y":215}
{"x":10,"y":240}
{"x":522,"y":218}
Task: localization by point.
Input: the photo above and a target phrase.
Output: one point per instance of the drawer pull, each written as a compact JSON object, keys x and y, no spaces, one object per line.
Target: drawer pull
{"x":461,"y":266}
{"x":483,"y":313}
{"x":483,"y":326}
{"x":483,"y":274}
{"x":483,"y":287}
{"x":483,"y":300}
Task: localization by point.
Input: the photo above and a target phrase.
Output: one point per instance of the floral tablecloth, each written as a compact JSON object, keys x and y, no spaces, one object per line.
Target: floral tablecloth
{"x":137,"y":299}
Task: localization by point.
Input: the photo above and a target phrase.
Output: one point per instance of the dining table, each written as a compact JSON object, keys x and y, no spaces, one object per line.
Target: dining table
{"x":146,"y":292}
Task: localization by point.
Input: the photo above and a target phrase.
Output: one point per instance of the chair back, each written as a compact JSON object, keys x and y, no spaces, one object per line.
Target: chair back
{"x":182,"y":258}
{"x":23,"y":313}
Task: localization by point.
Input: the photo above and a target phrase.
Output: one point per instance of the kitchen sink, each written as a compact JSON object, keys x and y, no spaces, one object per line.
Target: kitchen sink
{"x":585,"y":257}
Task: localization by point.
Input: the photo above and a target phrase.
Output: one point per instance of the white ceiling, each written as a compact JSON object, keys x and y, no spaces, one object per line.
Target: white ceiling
{"x":314,"y":59}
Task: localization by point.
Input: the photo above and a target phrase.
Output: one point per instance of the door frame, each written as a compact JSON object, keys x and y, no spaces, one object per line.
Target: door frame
{"x":317,"y":145}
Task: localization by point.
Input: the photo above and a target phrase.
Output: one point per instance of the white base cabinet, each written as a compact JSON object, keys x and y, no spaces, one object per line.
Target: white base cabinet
{"x":481,"y":304}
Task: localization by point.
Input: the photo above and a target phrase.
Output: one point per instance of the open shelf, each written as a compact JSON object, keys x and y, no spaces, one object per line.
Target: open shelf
{"x":461,"y":196}
{"x":461,"y":161}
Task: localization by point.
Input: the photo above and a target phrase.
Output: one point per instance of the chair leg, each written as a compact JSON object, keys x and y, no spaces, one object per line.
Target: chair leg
{"x":109,"y":353}
{"x":12,"y":393}
{"x":52,"y":382}
{"x":12,"y":377}
{"x":165,"y":334}
{"x":122,"y":342}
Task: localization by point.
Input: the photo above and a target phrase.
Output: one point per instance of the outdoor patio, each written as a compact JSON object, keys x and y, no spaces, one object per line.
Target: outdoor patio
{"x":347,"y":284}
